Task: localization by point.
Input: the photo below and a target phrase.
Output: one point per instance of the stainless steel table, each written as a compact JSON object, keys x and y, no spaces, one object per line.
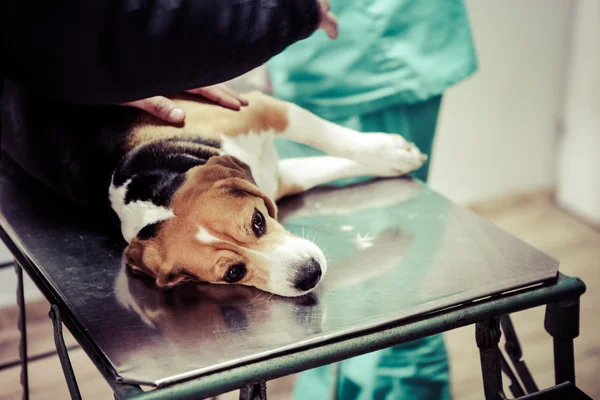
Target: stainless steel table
{"x":404,"y":263}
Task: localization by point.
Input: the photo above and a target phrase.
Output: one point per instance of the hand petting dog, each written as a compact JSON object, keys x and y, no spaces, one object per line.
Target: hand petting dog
{"x":167,"y":110}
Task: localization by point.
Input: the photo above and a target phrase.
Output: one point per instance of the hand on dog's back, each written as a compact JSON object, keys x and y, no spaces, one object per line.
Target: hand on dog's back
{"x":168,"y":111}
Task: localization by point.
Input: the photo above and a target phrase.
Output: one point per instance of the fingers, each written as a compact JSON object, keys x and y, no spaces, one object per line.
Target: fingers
{"x":328,"y":20}
{"x":268,"y":85}
{"x":167,"y":110}
{"x":235,"y":94}
{"x":222,"y":95}
{"x":329,"y":24}
{"x":161,"y":107}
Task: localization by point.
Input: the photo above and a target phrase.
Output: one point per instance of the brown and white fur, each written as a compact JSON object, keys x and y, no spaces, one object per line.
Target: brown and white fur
{"x":211,"y":214}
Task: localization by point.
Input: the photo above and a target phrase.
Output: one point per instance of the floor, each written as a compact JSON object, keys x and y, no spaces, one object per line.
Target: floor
{"x":532,"y":217}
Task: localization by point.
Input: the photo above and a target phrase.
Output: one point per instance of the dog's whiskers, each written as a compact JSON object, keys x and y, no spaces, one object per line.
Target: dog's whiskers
{"x":312,"y":230}
{"x":322,"y":248}
{"x":266,"y":298}
{"x":316,"y":240}
{"x":257,"y":296}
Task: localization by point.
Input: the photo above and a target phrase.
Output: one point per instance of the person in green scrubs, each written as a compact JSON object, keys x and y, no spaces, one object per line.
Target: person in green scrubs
{"x":386,"y":72}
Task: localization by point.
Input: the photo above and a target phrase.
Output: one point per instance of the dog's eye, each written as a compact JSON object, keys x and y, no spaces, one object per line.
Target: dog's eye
{"x":259,"y":226}
{"x":235,"y":273}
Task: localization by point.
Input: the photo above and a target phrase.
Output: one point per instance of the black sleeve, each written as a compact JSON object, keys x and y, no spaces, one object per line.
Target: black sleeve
{"x":113,"y":51}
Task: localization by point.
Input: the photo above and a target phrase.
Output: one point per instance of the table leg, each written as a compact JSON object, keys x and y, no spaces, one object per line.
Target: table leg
{"x":487,"y":335}
{"x":23,"y":330}
{"x":514,"y":385}
{"x":514,"y":351}
{"x":254,"y":391}
{"x":562,"y":322}
{"x":63,"y":355}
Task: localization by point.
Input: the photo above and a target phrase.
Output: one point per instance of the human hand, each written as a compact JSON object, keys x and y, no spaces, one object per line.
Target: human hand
{"x":168,"y":111}
{"x":328,"y":21}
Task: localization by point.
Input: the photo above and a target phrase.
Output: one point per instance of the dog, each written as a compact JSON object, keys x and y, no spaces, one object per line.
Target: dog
{"x":197,"y":202}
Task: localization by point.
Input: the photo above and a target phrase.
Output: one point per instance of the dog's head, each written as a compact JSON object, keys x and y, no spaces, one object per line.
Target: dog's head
{"x":225,"y":230}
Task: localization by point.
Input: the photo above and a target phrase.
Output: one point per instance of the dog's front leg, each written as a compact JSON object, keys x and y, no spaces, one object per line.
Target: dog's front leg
{"x":297,"y":175}
{"x":384,"y":154}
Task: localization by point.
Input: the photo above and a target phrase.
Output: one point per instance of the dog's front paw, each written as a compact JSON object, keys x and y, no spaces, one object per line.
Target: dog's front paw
{"x":388,"y":154}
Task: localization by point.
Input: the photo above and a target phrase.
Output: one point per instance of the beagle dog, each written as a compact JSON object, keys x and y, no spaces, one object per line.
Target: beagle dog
{"x":197,"y":202}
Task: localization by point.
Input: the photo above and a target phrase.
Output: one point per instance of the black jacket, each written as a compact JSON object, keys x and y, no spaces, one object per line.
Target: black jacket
{"x":114,"y":51}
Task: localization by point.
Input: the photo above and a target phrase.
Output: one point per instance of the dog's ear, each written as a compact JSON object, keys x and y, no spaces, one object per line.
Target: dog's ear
{"x":223,"y":167}
{"x":241,"y":187}
{"x":143,"y":258}
{"x":134,"y":258}
{"x":235,"y":176}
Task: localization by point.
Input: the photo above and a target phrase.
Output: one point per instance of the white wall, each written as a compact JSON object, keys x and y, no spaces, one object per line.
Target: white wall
{"x":579,"y":161}
{"x":497,"y":130}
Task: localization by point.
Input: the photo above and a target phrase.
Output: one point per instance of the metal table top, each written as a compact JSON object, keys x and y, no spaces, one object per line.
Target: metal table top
{"x":396,"y":250}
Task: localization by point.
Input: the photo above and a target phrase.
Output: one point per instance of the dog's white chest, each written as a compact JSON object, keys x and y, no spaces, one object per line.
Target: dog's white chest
{"x":259,"y":152}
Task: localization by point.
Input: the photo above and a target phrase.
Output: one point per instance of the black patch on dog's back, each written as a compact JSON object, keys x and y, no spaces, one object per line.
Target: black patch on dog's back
{"x":161,"y":155}
{"x":156,"y":170}
{"x":157,"y":186}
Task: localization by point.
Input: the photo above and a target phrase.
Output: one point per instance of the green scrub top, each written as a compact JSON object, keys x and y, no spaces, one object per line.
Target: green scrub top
{"x":388,"y":52}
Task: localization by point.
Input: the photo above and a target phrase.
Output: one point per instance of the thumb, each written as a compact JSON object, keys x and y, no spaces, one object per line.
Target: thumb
{"x":161,"y":107}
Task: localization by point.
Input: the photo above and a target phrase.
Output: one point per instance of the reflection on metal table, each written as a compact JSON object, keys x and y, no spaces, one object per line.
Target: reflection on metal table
{"x":404,"y":263}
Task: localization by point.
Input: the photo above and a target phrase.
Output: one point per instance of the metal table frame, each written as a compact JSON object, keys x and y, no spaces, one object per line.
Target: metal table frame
{"x":561,"y":298}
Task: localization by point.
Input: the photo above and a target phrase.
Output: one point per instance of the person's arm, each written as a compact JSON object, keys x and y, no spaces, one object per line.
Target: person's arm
{"x":116,"y":51}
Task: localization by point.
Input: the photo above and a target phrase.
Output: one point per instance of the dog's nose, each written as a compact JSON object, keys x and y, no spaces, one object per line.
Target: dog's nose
{"x":308,"y":276}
